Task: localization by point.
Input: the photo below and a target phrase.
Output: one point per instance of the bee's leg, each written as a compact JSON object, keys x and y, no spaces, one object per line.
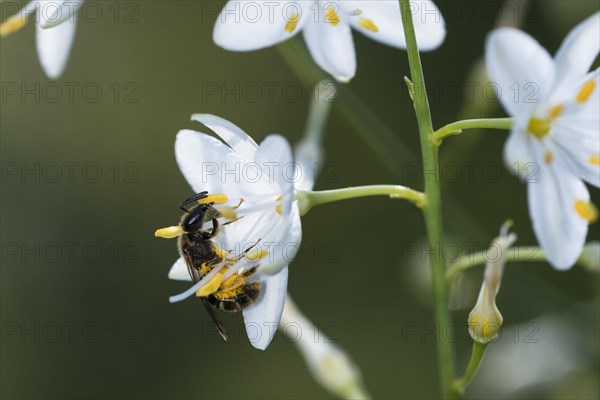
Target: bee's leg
{"x":190,"y":200}
{"x":215,"y":228}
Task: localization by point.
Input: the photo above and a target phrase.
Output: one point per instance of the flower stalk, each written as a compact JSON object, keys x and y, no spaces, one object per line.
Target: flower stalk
{"x":310,"y":199}
{"x":433,"y":212}
{"x":457,"y":127}
{"x":476,"y":357}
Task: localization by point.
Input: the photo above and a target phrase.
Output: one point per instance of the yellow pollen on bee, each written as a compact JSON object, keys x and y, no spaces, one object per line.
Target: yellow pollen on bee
{"x":290,"y":26}
{"x":539,"y":127}
{"x":214,"y":198}
{"x":586,"y":210}
{"x":12,"y":25}
{"x":331,"y":16}
{"x":211,"y":286}
{"x":594,"y":159}
{"x":548,"y":157}
{"x":585,"y":91}
{"x":169,"y":232}
{"x":368,"y":24}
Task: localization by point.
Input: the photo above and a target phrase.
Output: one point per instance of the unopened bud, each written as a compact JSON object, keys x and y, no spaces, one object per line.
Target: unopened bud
{"x":329,"y":364}
{"x":485,"y":319}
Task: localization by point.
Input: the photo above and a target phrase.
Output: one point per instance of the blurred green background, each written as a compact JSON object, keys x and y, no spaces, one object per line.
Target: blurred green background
{"x":87,"y":179}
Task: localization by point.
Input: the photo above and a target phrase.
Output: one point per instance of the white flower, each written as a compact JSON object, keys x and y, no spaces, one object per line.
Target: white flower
{"x":555,"y":141}
{"x":55,"y":22}
{"x":262,"y":178}
{"x":329,"y":364}
{"x":244,"y":26}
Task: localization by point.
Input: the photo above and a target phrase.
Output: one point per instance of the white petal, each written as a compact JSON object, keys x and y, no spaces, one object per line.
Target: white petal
{"x":179,"y":271}
{"x":429,"y":24}
{"x":560,"y":230}
{"x":275,"y":157}
{"x":231,"y":134}
{"x":518,"y":154}
{"x":578,"y":150}
{"x":244,"y":25}
{"x":285,"y":244}
{"x":54,"y":45}
{"x":56,"y":12}
{"x":262,"y":319}
{"x":520,"y":68}
{"x":332,"y":48}
{"x":576,"y":54}
{"x":205,"y":161}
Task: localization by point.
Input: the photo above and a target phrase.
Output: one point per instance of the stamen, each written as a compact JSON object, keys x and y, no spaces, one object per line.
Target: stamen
{"x":556,"y":110}
{"x":357,"y":11}
{"x":211,"y":286}
{"x":290,"y":26}
{"x":12,"y":24}
{"x":256,"y":255}
{"x":214,"y":198}
{"x":197,"y":285}
{"x":586,"y":210}
{"x":228,"y":213}
{"x":548,"y":157}
{"x":278,"y":208}
{"x":539,"y":127}
{"x":585,"y":91}
{"x":368,"y":25}
{"x":331,"y":16}
{"x":594,"y":159}
{"x":169,"y":233}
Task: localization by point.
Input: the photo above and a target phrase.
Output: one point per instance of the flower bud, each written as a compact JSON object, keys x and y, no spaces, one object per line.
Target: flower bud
{"x":329,"y":364}
{"x":485,"y":319}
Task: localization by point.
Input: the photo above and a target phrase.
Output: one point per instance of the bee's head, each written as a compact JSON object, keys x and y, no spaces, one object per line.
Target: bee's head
{"x":195,"y":219}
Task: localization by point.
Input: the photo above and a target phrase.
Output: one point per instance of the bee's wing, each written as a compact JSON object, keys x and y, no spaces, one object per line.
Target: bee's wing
{"x":220,"y":327}
{"x":196,"y":276}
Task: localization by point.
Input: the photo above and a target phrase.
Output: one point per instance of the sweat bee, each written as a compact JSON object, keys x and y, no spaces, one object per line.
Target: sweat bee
{"x":201,"y":255}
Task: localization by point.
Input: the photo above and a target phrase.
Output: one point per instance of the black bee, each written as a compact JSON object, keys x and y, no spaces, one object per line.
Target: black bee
{"x":202,"y":254}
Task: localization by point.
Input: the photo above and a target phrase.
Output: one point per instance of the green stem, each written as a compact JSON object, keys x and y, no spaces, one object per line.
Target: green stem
{"x":515,"y":254}
{"x":456,"y":128}
{"x":433,"y":211}
{"x":476,"y":356}
{"x":308,"y":199}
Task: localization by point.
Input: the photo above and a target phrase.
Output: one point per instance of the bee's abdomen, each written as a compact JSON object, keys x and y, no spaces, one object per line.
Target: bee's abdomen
{"x":231,"y":301}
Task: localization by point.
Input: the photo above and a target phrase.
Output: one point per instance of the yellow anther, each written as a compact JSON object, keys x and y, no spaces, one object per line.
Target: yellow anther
{"x":169,"y":233}
{"x":12,"y":24}
{"x":368,"y":25}
{"x":585,"y":91}
{"x":278,"y":208}
{"x":214,"y":198}
{"x":331,"y":16}
{"x":556,"y":110}
{"x":594,"y":159}
{"x":256,"y":255}
{"x":357,"y":11}
{"x":539,"y":127}
{"x":586,"y":210}
{"x":228,"y":213}
{"x":290,"y":26}
{"x":211,"y":286}
{"x":548,"y":157}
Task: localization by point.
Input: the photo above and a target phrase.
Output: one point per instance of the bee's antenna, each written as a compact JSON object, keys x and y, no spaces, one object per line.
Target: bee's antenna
{"x":194,"y":198}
